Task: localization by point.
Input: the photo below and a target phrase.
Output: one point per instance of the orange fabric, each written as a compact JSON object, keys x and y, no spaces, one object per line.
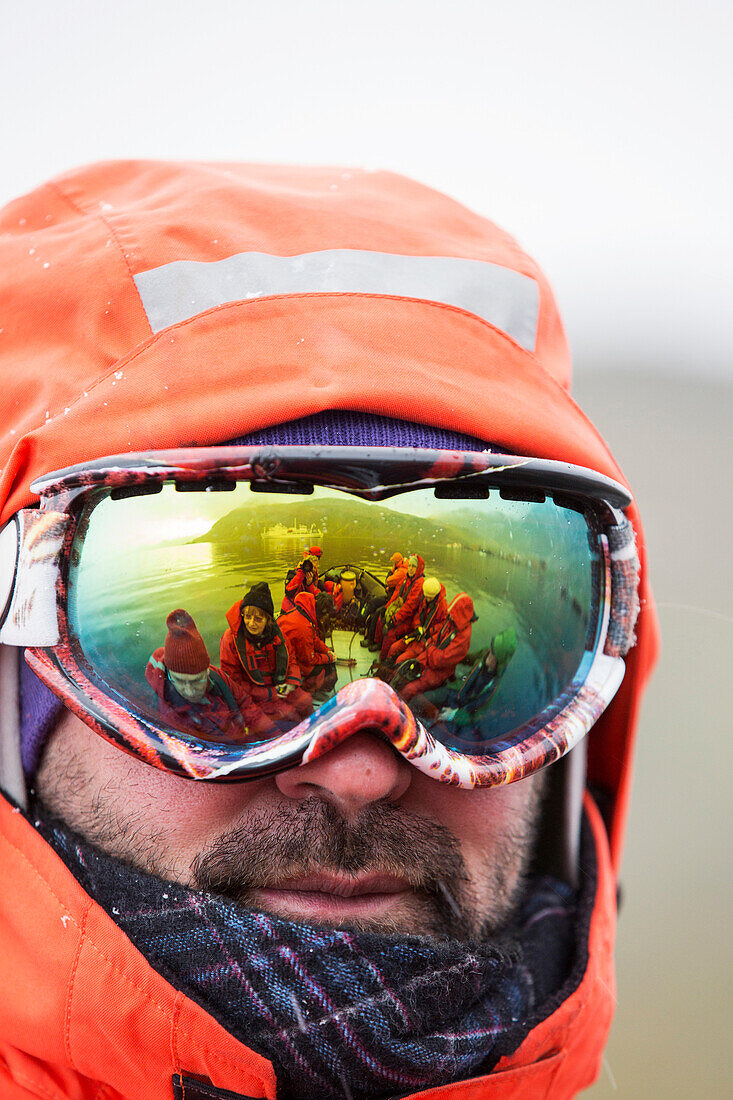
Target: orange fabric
{"x":300,"y":630}
{"x":396,"y":577}
{"x":86,"y":1006}
{"x":83,"y":376}
{"x":264,"y":658}
{"x":410,"y":592}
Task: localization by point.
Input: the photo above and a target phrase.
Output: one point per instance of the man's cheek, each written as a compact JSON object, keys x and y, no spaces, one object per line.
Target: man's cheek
{"x":476,"y":815}
{"x":192,"y":814}
{"x":81,"y":771}
{"x":490,"y":823}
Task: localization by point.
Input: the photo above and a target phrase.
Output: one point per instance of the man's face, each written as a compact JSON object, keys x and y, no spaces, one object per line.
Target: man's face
{"x":255,"y":620}
{"x":357,"y":838}
{"x":191,"y":685}
{"x":411,"y":568}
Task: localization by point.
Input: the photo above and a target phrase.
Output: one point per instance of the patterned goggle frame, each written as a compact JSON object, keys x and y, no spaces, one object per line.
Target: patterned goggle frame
{"x":436,"y":726}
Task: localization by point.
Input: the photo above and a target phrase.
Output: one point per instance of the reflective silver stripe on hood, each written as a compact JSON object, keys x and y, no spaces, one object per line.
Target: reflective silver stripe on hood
{"x":505,"y":298}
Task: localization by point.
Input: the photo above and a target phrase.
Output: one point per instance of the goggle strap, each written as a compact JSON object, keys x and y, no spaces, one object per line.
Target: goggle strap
{"x":31,"y":618}
{"x":624,"y":588}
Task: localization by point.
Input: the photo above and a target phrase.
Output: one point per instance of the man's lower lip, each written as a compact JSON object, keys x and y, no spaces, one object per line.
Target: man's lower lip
{"x":316,"y":904}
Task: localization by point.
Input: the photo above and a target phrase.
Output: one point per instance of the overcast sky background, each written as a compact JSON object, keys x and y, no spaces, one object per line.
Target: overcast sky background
{"x":598,"y":134}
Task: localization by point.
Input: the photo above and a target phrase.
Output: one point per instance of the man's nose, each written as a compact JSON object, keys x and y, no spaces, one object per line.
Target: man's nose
{"x":362,"y":769}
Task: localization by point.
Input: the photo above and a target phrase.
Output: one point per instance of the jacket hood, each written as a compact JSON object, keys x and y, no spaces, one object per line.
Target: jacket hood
{"x":234,"y":620}
{"x":461,"y":610}
{"x":306,"y":601}
{"x":234,"y":616}
{"x":420,"y":571}
{"x":165,"y":287}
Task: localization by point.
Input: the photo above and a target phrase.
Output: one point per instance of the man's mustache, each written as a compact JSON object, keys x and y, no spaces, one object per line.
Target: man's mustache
{"x":295,"y":840}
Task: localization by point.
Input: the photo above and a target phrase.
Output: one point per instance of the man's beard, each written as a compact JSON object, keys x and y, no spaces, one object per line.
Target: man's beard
{"x":303,"y":838}
{"x":311,"y":837}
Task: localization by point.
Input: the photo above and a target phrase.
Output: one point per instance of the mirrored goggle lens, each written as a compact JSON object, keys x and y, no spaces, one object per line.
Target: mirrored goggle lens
{"x":232,"y":616}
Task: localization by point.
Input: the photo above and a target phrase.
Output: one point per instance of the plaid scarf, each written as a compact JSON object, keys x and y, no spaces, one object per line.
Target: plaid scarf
{"x":339,"y":1013}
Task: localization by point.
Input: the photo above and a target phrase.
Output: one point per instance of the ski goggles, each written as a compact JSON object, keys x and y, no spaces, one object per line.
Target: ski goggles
{"x":177,"y":603}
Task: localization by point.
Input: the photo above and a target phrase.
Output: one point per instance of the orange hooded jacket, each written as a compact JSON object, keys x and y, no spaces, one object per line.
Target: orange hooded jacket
{"x":299,"y":627}
{"x":91,"y":366}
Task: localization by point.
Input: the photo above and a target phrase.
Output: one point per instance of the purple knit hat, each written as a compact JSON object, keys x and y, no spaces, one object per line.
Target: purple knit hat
{"x":40,"y":709}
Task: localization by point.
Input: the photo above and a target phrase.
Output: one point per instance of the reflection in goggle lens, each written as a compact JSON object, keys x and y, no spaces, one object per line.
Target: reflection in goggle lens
{"x":233,"y":616}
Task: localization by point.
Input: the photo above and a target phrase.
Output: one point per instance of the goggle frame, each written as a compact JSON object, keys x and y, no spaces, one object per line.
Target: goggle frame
{"x":45,"y":540}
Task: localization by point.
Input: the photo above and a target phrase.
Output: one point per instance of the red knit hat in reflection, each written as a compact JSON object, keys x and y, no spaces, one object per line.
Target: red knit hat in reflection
{"x":185,"y":650}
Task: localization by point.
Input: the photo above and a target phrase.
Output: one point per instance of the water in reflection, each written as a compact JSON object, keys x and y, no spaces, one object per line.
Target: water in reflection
{"x":478,"y":616}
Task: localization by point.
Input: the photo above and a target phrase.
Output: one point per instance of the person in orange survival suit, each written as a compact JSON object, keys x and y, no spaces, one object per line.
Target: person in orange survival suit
{"x":253,"y":652}
{"x":192,"y":693}
{"x":402,"y":607}
{"x":468,"y":700}
{"x":431,"y":612}
{"x":440,"y":651}
{"x":314,"y":555}
{"x":303,"y":579}
{"x":374,"y":610}
{"x":299,"y":627}
{"x":148,"y":947}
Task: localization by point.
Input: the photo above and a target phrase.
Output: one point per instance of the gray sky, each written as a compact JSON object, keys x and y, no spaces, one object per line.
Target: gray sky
{"x":598,"y":134}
